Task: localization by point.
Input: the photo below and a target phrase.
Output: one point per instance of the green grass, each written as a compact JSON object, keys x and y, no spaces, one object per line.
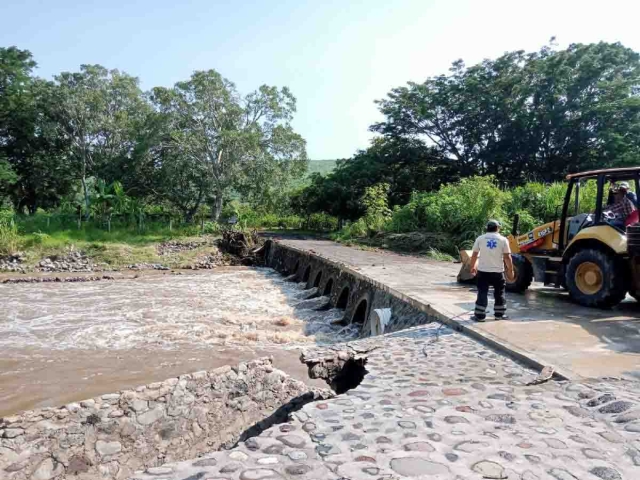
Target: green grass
{"x":38,"y":238}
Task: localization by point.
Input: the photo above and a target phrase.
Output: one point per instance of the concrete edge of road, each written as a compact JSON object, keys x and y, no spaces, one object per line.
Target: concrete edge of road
{"x":502,"y":346}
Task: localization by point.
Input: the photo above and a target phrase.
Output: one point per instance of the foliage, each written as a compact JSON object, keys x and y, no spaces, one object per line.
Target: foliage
{"x":9,"y":238}
{"x":406,"y":165}
{"x":223,"y":141}
{"x":322,"y":167}
{"x":190,"y":147}
{"x":375,"y":200}
{"x":526,"y":116}
{"x":460,"y":211}
{"x":98,"y":112}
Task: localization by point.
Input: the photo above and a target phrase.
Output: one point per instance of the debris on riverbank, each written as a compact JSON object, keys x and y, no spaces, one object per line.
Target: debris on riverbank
{"x":91,"y":278}
{"x":73,"y":261}
{"x":12,"y":263}
{"x":200,"y":253}
{"x":246,"y":247}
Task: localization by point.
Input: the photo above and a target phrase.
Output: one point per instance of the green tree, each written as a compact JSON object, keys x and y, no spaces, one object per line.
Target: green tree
{"x":222,"y":141}
{"x":526,"y":116}
{"x":36,"y":173}
{"x":98,"y":113}
{"x":405,"y":164}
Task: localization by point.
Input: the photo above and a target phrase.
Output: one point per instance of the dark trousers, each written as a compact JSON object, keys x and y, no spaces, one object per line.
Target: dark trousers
{"x":486,"y":280}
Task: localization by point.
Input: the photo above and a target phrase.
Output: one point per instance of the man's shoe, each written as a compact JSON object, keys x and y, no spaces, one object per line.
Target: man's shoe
{"x":477,"y":319}
{"x":503,"y":317}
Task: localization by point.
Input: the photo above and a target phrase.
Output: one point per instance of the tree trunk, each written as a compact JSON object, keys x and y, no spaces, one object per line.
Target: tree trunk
{"x":84,"y":187}
{"x":216,"y":209}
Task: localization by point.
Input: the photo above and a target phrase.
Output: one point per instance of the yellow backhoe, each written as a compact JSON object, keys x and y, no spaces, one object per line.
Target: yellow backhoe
{"x":586,"y":250}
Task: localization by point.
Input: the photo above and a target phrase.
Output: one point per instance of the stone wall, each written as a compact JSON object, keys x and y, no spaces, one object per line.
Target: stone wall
{"x":406,"y":313}
{"x":116,"y":434}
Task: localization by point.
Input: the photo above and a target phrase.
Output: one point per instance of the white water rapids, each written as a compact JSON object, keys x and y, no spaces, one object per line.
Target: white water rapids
{"x":68,"y":341}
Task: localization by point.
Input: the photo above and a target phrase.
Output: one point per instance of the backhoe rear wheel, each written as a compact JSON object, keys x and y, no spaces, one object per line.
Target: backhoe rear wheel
{"x":595,"y":279}
{"x":524,"y":274}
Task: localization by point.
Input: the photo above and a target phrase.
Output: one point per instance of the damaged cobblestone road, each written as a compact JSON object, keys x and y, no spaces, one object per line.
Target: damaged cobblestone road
{"x":438,"y":405}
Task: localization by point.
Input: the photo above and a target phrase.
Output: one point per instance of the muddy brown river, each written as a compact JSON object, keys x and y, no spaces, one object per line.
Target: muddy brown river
{"x":63,"y":342}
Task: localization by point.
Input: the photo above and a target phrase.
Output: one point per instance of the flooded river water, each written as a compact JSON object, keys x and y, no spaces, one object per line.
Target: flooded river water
{"x":62,"y":342}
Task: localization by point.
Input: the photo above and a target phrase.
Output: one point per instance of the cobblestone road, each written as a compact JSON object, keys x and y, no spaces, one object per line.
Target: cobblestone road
{"x":438,"y":405}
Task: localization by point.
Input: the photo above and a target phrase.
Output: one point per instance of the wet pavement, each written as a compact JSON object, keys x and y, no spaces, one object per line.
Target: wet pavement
{"x":544,"y":324}
{"x":435,"y":404}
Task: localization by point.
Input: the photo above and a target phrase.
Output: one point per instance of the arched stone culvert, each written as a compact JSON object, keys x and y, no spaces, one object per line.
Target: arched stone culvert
{"x":361,"y":312}
{"x":343,"y":299}
{"x":296,"y":268}
{"x":307,"y":274}
{"x":316,"y":282}
{"x":328,"y":288}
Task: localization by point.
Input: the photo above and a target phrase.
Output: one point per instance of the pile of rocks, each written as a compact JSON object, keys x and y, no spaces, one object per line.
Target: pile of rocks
{"x":147,"y":266}
{"x":88,"y":278}
{"x":176,"y":246}
{"x":74,"y":261}
{"x":212,"y":260}
{"x":12,"y":263}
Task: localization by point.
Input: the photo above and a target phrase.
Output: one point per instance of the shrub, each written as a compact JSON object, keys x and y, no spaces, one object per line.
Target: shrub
{"x":460,"y":209}
{"x":322,"y":222}
{"x":212,"y":227}
{"x":39,"y":238}
{"x":9,"y":237}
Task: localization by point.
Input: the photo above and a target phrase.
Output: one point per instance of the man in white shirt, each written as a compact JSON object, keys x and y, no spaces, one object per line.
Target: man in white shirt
{"x":493,"y":252}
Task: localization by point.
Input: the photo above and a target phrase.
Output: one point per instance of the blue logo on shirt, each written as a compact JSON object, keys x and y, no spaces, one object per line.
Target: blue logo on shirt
{"x":491,"y":243}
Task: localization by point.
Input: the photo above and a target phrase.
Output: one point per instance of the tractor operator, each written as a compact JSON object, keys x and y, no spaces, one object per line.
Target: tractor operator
{"x":622,"y":206}
{"x":624,"y":186}
{"x":493,"y":252}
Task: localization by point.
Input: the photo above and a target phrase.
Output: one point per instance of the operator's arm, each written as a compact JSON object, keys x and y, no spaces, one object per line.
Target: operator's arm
{"x":508,"y":262}
{"x":474,"y":263}
{"x":474,"y":257}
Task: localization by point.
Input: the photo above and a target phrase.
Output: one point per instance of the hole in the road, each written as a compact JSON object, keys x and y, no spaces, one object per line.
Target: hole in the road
{"x":360,"y":314}
{"x":307,"y":274}
{"x":350,"y":376}
{"x":343,"y":299}
{"x":328,"y":288}
{"x":316,"y":282}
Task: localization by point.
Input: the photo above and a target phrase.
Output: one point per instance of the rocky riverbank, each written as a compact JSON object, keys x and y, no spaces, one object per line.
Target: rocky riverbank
{"x":235,"y":248}
{"x":115,"y":434}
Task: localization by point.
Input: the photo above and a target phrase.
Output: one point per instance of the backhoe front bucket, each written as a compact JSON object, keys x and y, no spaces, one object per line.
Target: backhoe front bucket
{"x":465,"y":275}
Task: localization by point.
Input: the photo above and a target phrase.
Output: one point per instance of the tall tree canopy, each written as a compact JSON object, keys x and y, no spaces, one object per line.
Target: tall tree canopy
{"x":234,"y":142}
{"x":526,"y":115}
{"x":196,"y":143}
{"x":98,"y":113}
{"x":521,"y":117}
{"x":33,"y":169}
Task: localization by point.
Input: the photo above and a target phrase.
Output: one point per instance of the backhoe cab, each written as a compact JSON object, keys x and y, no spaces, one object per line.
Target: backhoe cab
{"x":595,"y":256}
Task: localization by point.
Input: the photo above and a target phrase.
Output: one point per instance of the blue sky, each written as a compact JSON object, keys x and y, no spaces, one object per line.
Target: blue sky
{"x":336,"y":56}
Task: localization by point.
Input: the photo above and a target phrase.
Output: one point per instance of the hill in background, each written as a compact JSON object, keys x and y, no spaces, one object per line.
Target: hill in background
{"x":321,"y":166}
